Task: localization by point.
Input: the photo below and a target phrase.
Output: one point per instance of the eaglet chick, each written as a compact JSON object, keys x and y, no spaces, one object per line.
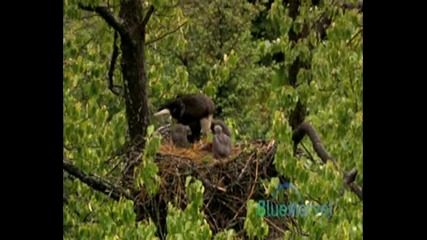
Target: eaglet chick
{"x":180,"y":134}
{"x":221,"y":145}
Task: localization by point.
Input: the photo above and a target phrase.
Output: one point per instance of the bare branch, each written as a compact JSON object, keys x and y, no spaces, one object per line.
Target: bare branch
{"x":357,"y":190}
{"x":148,"y":15}
{"x":165,"y":34}
{"x":308,"y":152}
{"x":305,"y":128}
{"x":355,"y":35}
{"x":349,"y":179}
{"x":113,"y":66}
{"x":95,"y":182}
{"x":107,"y":15}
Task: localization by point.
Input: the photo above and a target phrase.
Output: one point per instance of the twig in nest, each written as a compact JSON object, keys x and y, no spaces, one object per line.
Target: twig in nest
{"x":250,"y":194}
{"x":131,"y":162}
{"x":224,"y":162}
{"x":207,"y":183}
{"x":114,"y":168}
{"x":274,"y":225}
{"x":245,"y":169}
{"x":215,"y":224}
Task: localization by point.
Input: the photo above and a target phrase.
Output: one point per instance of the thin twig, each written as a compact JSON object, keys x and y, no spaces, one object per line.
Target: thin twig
{"x":308,"y":152}
{"x":114,"y":56}
{"x":107,"y":15}
{"x":250,"y":193}
{"x":148,"y":15}
{"x":355,"y":35}
{"x":274,"y":225}
{"x":165,"y":34}
{"x":95,"y":182}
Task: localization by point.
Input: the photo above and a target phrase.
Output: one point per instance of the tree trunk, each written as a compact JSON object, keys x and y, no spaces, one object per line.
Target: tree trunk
{"x":135,"y":80}
{"x":299,"y":113}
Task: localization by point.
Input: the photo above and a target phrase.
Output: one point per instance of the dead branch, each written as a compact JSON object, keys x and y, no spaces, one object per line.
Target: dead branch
{"x":250,"y":194}
{"x":107,"y":15}
{"x":148,"y":15}
{"x":95,"y":182}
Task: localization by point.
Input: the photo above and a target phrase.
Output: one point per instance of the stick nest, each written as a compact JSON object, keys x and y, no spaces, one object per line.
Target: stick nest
{"x":228,"y":184}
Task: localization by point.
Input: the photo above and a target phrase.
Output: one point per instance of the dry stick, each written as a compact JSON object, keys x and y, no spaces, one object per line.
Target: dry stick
{"x":244,"y":170}
{"x":274,"y":225}
{"x":250,"y":194}
{"x":308,"y":152}
{"x":165,"y":34}
{"x":355,"y":35}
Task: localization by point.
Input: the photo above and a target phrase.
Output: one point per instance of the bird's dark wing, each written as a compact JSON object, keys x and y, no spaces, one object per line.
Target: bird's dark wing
{"x":197,"y":106}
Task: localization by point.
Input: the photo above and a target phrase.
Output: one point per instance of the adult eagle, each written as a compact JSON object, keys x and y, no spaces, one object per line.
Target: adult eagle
{"x":194,"y":110}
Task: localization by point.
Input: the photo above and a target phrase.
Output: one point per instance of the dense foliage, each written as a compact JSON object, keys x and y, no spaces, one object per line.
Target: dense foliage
{"x":240,"y":53}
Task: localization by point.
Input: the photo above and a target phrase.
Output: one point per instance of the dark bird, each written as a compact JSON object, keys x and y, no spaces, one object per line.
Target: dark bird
{"x":225,"y":129}
{"x":179,"y":134}
{"x":194,"y":110}
{"x":221,"y":144}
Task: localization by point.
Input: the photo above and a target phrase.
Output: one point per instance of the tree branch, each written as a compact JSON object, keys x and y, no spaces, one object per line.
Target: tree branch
{"x":165,"y":34}
{"x":305,"y":128}
{"x":108,"y":16}
{"x":148,"y":15}
{"x":355,"y":35}
{"x":359,"y":5}
{"x":349,"y":177}
{"x":113,"y":66}
{"x":95,"y":182}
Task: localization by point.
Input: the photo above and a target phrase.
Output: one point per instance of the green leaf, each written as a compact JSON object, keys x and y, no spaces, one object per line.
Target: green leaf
{"x":157,"y":3}
{"x":150,"y":130}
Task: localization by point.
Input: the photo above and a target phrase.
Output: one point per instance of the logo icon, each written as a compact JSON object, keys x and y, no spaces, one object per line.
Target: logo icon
{"x":271,"y":208}
{"x":287,"y":185}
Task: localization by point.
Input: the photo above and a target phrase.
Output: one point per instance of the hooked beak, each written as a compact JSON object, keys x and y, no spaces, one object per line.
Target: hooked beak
{"x":162,"y":112}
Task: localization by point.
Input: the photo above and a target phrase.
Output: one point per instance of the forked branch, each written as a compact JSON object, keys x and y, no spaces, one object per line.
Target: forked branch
{"x":165,"y":34}
{"x":95,"y":182}
{"x":306,"y":129}
{"x":107,"y":15}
